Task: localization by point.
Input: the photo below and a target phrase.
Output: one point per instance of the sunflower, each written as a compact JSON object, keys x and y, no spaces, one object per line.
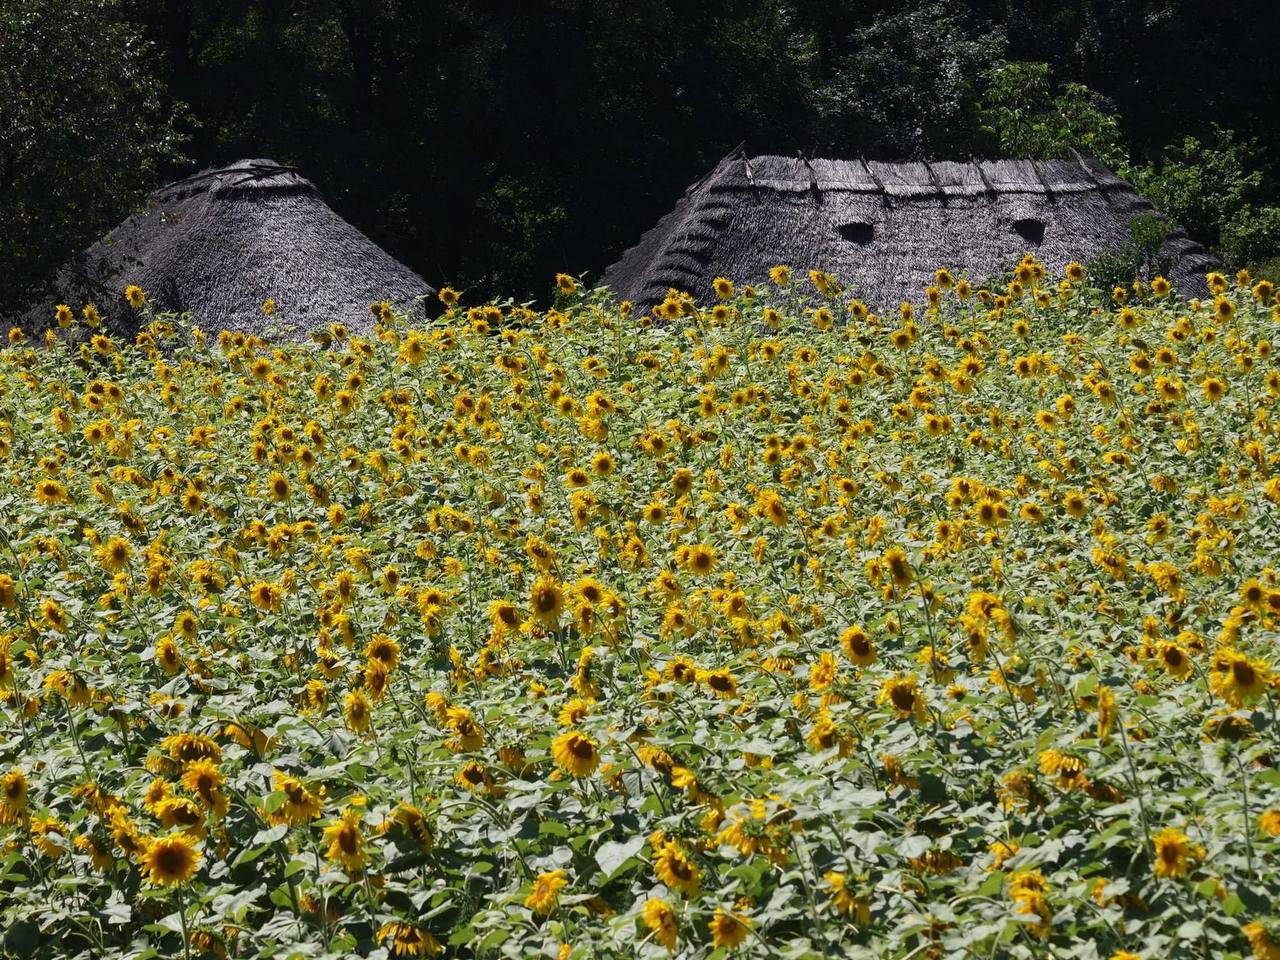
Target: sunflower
{"x":1175,"y":660}
{"x":70,"y":687}
{"x":409,"y":940}
{"x":1074,"y":503}
{"x":134,"y":296}
{"x":186,"y":624}
{"x":1106,"y":712}
{"x":728,"y":928}
{"x":13,"y":797}
{"x":723,"y":287}
{"x":188,"y":747}
{"x":1213,"y":388}
{"x":50,"y":491}
{"x":266,"y":596}
{"x":902,"y":693}
{"x":575,"y":753}
{"x":412,"y":823}
{"x":357,"y":712}
{"x":721,"y":682}
{"x":858,"y":646}
{"x":661,"y":921}
{"x":473,"y":776}
{"x":674,"y":868}
{"x":1238,"y":679}
{"x":181,"y":812}
{"x":205,"y":780}
{"x":278,"y":487}
{"x":546,"y":891}
{"x":299,"y":804}
{"x":546,"y":601}
{"x":1029,"y":890}
{"x":573,"y":712}
{"x":346,"y":842}
{"x":55,"y":615}
{"x":846,"y":902}
{"x":1175,"y":854}
{"x":1264,"y":940}
{"x":377,"y":679}
{"x":603,"y":464}
{"x":699,"y":559}
{"x":169,"y":861}
{"x":168,"y":655}
{"x":114,"y":555}
{"x":899,"y":567}
{"x":504,"y":616}
{"x":469,"y":734}
{"x":1269,"y":822}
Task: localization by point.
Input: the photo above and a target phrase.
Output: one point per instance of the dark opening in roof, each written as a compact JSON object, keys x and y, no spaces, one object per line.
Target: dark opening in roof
{"x":857,"y":232}
{"x":1030,"y":229}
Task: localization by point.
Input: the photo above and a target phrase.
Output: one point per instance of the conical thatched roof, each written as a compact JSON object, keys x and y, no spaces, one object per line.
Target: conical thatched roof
{"x":222,"y":241}
{"x":885,"y":227}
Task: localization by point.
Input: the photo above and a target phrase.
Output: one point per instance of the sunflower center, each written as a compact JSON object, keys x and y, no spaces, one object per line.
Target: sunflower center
{"x":1243,"y":673}
{"x":171,"y":860}
{"x":903,"y":697}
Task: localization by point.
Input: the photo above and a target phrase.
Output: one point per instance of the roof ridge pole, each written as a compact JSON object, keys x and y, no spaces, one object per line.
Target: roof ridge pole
{"x":813,"y":176}
{"x":1078,"y":157}
{"x":1048,"y":190}
{"x":982,"y":175}
{"x":884,"y":194}
{"x":933,"y":178}
{"x":1088,"y":172}
{"x":872,"y":174}
{"x":813,"y":181}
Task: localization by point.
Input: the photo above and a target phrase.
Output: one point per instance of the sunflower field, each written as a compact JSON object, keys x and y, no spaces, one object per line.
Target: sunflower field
{"x":774,"y":627}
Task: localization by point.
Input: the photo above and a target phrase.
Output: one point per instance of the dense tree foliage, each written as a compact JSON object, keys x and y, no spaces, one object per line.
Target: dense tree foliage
{"x":491,"y":144}
{"x":84,"y":130}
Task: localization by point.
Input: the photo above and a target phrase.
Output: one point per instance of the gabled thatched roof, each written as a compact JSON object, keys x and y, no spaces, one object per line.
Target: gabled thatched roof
{"x":222,"y":241}
{"x":885,"y":227}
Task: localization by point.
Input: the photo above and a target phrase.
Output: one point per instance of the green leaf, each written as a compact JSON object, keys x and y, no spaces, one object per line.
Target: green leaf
{"x":271,"y":834}
{"x":612,"y":855}
{"x":992,"y":886}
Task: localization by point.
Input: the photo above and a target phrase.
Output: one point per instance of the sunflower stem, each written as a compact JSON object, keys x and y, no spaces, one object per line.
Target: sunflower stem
{"x":182,"y":918}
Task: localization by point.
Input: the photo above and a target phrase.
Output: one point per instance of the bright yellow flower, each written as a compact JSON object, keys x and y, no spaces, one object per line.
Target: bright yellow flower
{"x":170,"y":861}
{"x":545,"y":894}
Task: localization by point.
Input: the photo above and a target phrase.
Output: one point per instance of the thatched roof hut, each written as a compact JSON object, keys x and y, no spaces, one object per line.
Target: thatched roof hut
{"x":885,"y":227}
{"x":221,"y":242}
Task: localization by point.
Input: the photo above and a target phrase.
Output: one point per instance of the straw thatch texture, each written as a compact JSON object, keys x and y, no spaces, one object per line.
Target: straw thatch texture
{"x":221,"y":242}
{"x":885,"y":227}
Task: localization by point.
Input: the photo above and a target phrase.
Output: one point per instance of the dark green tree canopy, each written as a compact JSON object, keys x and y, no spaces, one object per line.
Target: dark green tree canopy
{"x":85,"y":130}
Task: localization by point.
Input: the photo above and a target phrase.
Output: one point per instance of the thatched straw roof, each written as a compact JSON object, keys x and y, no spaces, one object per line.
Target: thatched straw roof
{"x":885,"y":227}
{"x":222,"y":241}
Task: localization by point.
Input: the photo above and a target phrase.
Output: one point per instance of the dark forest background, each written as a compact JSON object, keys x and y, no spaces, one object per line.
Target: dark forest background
{"x":491,"y":143}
